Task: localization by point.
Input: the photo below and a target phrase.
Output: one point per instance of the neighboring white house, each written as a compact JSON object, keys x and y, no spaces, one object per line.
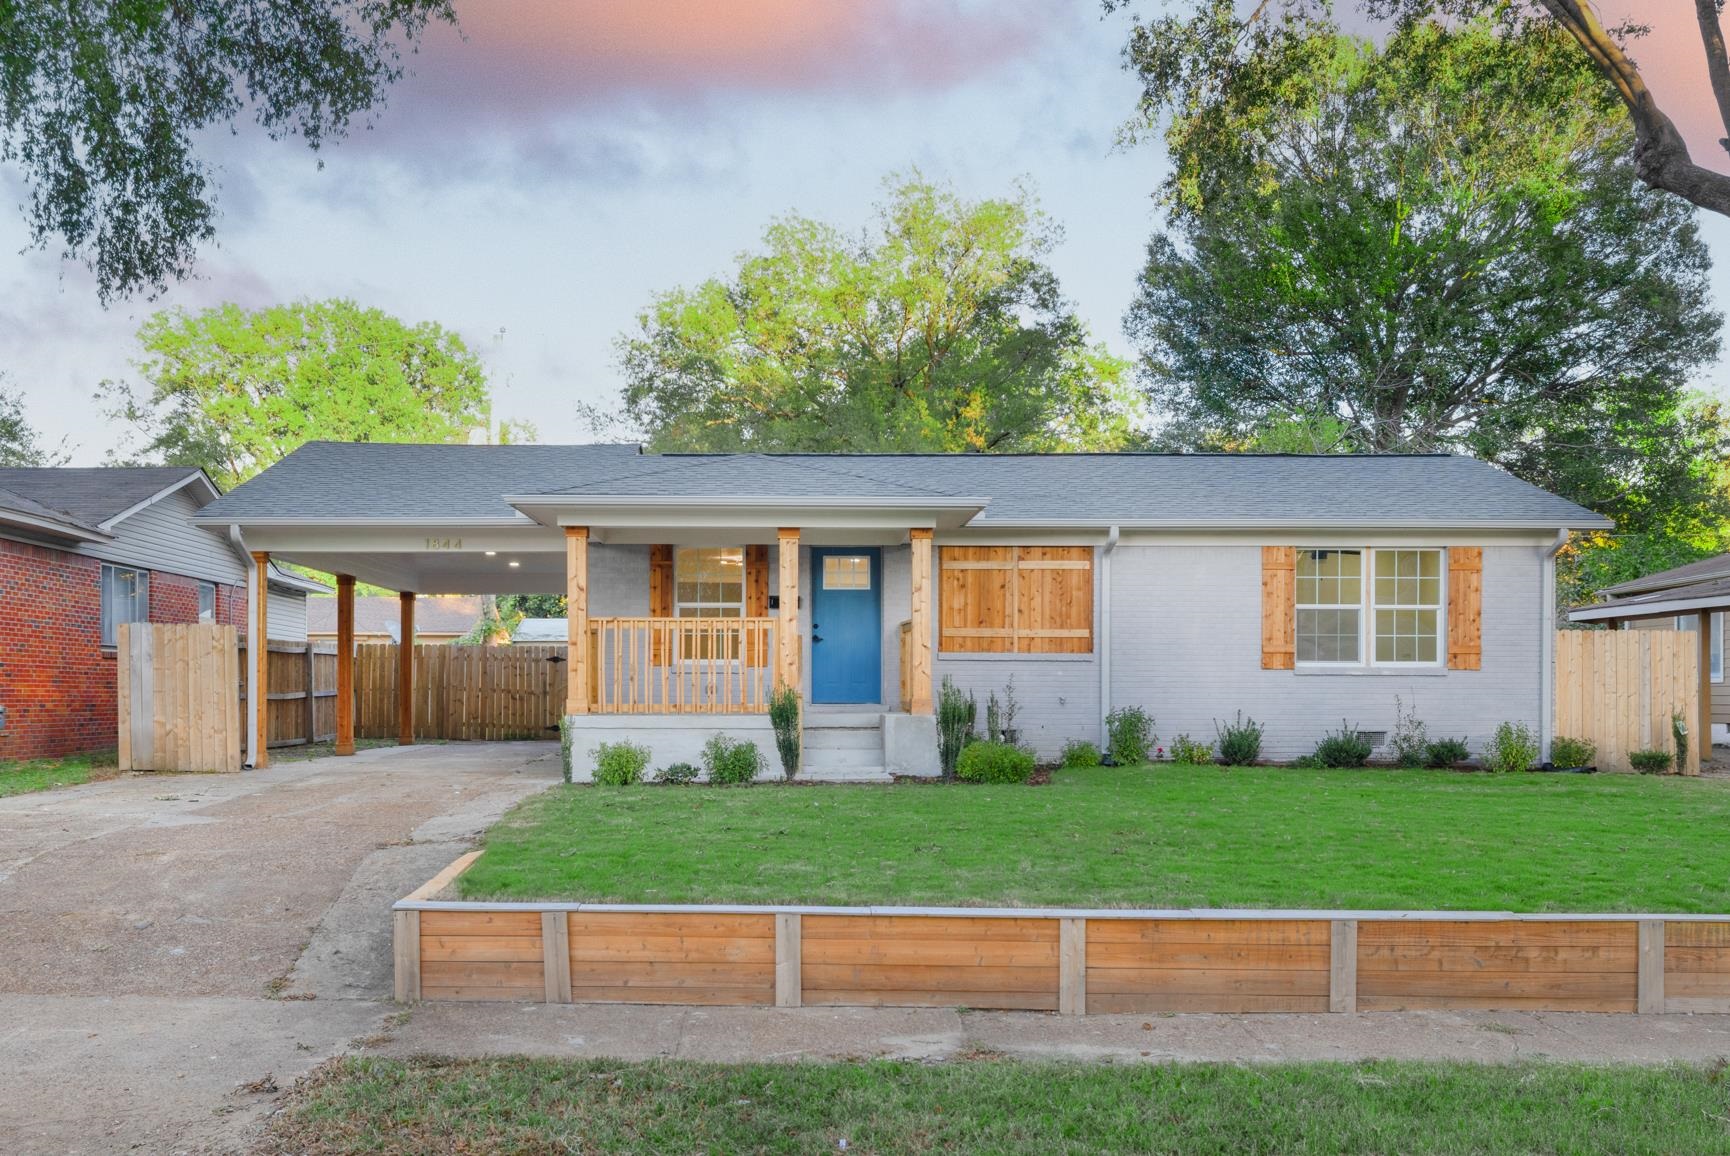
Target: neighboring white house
{"x":540,"y":632}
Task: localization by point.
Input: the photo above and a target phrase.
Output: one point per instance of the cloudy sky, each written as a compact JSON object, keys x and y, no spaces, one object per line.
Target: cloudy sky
{"x":541,"y":174}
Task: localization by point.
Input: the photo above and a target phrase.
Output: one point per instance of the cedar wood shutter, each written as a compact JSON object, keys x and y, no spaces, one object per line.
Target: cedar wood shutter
{"x":1465,"y":607}
{"x":660,"y":597}
{"x":756,"y":602}
{"x":1278,"y":607}
{"x":1016,"y":600}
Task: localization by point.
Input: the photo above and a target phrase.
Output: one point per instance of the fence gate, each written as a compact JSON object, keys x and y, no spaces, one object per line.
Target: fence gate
{"x":177,"y":706}
{"x":1622,"y":688}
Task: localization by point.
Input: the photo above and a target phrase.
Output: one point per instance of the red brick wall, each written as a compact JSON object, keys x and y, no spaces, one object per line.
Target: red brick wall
{"x":56,"y":681}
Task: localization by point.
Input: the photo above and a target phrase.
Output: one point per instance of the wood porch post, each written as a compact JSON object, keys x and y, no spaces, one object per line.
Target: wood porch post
{"x":345,"y":664}
{"x":577,"y":620}
{"x":787,"y":624}
{"x":1703,"y":738}
{"x":920,"y":693}
{"x":405,"y":670}
{"x":260,"y":652}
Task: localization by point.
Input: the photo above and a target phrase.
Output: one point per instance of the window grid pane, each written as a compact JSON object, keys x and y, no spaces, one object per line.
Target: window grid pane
{"x":846,"y":572}
{"x":1329,"y":601}
{"x":1408,"y":599}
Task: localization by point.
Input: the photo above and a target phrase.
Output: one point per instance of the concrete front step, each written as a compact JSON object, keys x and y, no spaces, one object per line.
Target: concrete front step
{"x":874,"y":774}
{"x":844,"y":738}
{"x":818,"y":720}
{"x":846,"y":757}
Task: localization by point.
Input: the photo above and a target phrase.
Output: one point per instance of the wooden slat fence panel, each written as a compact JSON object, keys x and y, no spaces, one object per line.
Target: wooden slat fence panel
{"x":1212,"y":966}
{"x":1484,"y":965}
{"x":1620,"y":688}
{"x":300,"y":680}
{"x":176,"y":705}
{"x":463,"y":692}
{"x":631,"y":958}
{"x":929,"y":961}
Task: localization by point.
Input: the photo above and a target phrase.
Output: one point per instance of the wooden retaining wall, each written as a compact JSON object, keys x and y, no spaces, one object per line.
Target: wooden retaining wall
{"x":1073,"y":962}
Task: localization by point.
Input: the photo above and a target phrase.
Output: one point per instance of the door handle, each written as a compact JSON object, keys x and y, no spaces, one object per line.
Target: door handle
{"x":816,"y":638}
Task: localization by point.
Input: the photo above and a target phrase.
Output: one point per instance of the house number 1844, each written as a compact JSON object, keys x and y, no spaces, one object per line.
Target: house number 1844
{"x":444,"y":543}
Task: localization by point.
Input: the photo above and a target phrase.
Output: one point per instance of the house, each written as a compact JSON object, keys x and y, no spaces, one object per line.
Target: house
{"x":1303,"y":590}
{"x":377,"y":618}
{"x":1682,"y":598}
{"x":541,"y":632}
{"x":83,"y":550}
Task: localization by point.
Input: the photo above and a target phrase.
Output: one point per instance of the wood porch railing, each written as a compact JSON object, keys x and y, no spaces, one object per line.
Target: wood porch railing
{"x":681,"y":665}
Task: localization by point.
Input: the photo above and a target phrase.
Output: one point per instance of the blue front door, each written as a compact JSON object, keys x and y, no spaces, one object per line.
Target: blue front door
{"x":846,"y":625}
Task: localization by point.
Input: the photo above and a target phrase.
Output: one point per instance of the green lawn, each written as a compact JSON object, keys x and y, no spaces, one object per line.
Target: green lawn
{"x":533,"y":1106}
{"x":1167,"y":836}
{"x":20,"y":778}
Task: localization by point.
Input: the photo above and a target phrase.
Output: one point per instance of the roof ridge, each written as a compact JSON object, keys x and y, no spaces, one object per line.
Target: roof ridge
{"x":657,"y":471}
{"x":921,"y":490}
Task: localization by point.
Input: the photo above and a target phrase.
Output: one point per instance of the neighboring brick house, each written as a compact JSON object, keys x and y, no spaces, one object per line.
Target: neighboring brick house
{"x":83,"y":550}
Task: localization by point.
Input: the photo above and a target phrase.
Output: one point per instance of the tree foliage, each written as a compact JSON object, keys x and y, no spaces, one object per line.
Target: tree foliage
{"x":941,"y":328}
{"x":1439,"y":244}
{"x":21,"y":443}
{"x":235,"y":390}
{"x":102,"y":107}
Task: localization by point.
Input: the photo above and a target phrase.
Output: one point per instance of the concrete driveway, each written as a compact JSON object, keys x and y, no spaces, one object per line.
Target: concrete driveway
{"x":171,"y":938}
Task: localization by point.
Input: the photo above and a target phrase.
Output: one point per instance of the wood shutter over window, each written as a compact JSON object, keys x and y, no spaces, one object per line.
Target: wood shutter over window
{"x":1465,"y":607}
{"x":756,"y":601}
{"x":1278,"y":607}
{"x":1016,"y":600}
{"x":660,"y":598}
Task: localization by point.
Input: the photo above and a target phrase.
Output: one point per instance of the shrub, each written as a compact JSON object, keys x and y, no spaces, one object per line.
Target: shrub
{"x":784,"y":717}
{"x":1128,"y":735}
{"x":1650,"y":762}
{"x":565,"y":739}
{"x":1679,"y":731}
{"x":1512,"y":748}
{"x":1239,"y":741}
{"x":620,"y":764}
{"x":989,"y":762}
{"x":677,"y":773}
{"x":955,"y":715}
{"x":1079,"y":753}
{"x":1566,"y":752}
{"x":1410,"y":740}
{"x":1446,"y":752}
{"x":1346,"y":747}
{"x":731,"y":761}
{"x":993,"y":719}
{"x":1187,"y":750}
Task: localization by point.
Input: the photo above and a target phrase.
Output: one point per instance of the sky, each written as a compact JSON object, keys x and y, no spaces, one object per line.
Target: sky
{"x":543,"y":172}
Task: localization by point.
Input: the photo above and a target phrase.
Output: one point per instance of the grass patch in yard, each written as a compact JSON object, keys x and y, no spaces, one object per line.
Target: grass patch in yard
{"x":365,"y":1105}
{"x":22,"y":778}
{"x":1167,"y":836}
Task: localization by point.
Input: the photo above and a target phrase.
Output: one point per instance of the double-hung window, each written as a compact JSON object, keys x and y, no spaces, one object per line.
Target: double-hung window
{"x":708,"y":582}
{"x":1380,"y":607}
{"x":125,"y":598}
{"x":207,"y":602}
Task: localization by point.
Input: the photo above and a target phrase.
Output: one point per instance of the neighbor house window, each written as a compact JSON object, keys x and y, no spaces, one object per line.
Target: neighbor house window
{"x":125,"y":598}
{"x":207,"y":602}
{"x":1398,"y":612}
{"x":1692,"y":622}
{"x":1330,"y":599}
{"x":708,"y":582}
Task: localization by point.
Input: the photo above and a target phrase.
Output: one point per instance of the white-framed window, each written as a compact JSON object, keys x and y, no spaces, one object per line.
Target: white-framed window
{"x":1394,"y":618}
{"x":708,"y":582}
{"x":207,"y":602}
{"x":125,"y":598}
{"x":1692,"y":622}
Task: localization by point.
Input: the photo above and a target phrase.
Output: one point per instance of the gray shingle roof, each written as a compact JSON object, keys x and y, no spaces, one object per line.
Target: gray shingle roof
{"x":1717,"y":566}
{"x":90,"y":495}
{"x":446,"y":483}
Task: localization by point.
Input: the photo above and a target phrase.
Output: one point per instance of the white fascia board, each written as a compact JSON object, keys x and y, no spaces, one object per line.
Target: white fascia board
{"x":51,"y":527}
{"x":1287,"y":525}
{"x":211,"y":493}
{"x":442,"y":538}
{"x":1610,"y":611}
{"x":504,"y":522}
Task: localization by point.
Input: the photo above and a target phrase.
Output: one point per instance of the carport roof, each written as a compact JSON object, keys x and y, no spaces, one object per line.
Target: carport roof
{"x":374,"y":483}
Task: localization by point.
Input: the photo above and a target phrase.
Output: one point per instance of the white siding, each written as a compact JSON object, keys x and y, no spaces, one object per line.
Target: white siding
{"x":1187,"y":646}
{"x":287,"y":622}
{"x":162,"y":537}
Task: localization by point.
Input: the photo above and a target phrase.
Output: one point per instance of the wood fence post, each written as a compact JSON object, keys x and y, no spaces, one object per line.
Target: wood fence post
{"x":1650,"y":982}
{"x":556,"y":955}
{"x":406,"y":952}
{"x":261,"y":659}
{"x":1072,"y":966}
{"x":1343,"y":966}
{"x":789,"y":983}
{"x":345,"y":664}
{"x":311,"y":696}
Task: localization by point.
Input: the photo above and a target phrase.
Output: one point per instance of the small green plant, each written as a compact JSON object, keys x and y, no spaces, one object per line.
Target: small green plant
{"x":1079,"y":753}
{"x":565,"y":740}
{"x":1011,"y":708}
{"x":1650,"y":762}
{"x":1191,"y":751}
{"x":1679,"y":732}
{"x":1512,"y":748}
{"x":620,"y":764}
{"x":1128,"y":735}
{"x":955,"y":715}
{"x":1309,"y":762}
{"x":993,"y":719}
{"x":1444,"y":753}
{"x":1239,"y":741}
{"x":1410,"y":740}
{"x":731,"y":761}
{"x":1569,"y":753}
{"x":677,"y":773}
{"x":1346,"y":747}
{"x":784,"y":717}
{"x":989,"y":762}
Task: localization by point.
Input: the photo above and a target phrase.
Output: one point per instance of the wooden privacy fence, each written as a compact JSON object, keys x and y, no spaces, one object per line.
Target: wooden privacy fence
{"x":300,"y":688}
{"x":463,"y":692}
{"x":177,"y":708}
{"x":1075,"y":962}
{"x":1622,"y":688}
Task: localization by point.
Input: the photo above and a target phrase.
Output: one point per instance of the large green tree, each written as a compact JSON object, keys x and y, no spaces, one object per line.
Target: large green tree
{"x":103,"y":107}
{"x":1436,"y":244}
{"x":940,"y":328}
{"x":234,"y":390}
{"x":21,"y":444}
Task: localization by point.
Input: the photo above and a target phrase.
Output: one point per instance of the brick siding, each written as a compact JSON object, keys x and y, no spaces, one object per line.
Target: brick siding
{"x":56,"y":682}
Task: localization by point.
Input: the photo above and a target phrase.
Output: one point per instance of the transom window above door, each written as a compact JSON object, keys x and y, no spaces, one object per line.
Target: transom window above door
{"x":709,"y":582}
{"x":846,"y":572}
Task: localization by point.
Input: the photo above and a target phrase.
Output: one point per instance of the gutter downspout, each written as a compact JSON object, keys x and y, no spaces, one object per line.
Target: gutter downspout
{"x":1547,"y":646}
{"x":249,"y":754}
{"x":1111,"y":537}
